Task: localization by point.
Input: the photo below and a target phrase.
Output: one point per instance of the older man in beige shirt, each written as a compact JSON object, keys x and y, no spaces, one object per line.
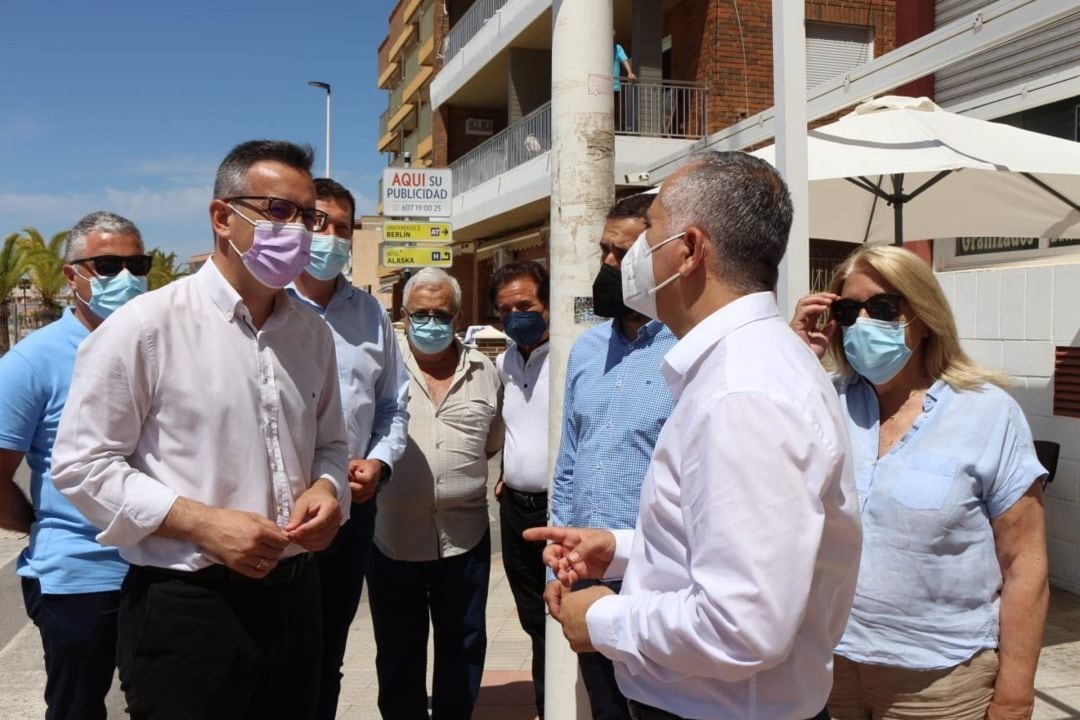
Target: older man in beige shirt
{"x":432,"y":554}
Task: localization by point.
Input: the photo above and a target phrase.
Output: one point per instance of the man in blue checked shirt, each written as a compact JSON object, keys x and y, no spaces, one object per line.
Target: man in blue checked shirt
{"x":616,"y":401}
{"x":375,"y":399}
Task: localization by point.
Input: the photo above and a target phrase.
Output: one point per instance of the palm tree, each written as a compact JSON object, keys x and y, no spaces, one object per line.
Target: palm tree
{"x":11,"y":270}
{"x":45,"y":262}
{"x":163,"y":269}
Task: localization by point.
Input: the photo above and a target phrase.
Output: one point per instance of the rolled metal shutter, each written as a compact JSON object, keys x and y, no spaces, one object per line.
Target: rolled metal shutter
{"x":1048,"y":50}
{"x":832,"y":50}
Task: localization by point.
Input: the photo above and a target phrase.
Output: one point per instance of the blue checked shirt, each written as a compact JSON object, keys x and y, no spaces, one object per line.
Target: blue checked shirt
{"x":616,"y":401}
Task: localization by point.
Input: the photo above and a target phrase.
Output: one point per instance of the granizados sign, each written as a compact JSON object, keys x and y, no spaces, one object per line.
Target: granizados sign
{"x":983,"y":245}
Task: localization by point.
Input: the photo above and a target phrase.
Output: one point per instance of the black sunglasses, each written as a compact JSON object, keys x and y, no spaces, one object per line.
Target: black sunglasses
{"x":420,"y":318}
{"x":884,"y":306}
{"x":109,"y":265}
{"x":280,"y":210}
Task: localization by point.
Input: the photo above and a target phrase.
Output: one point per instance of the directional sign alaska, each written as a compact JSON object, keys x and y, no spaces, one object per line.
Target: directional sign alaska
{"x":404,"y":255}
{"x":398,"y":231}
{"x":409,"y":192}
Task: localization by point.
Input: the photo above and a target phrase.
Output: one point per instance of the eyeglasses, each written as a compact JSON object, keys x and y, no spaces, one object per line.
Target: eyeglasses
{"x":421,"y":317}
{"x":280,"y":210}
{"x":884,"y":306}
{"x":109,"y":265}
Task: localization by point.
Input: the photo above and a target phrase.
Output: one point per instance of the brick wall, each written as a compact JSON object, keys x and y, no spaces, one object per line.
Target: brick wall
{"x":706,"y":47}
{"x":1011,"y":320}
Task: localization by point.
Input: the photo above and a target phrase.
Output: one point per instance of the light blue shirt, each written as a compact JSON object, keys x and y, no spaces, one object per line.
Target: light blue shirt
{"x":616,"y":71}
{"x":34,"y":379}
{"x":374,"y":383}
{"x":929,"y":589}
{"x":615,"y":404}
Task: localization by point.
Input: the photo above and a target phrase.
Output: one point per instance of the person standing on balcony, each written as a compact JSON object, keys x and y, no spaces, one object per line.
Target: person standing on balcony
{"x":624,"y":101}
{"x":519,"y":292}
{"x":375,"y":399}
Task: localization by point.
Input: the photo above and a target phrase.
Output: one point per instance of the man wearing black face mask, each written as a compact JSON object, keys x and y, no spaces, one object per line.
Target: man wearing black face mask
{"x":616,"y":401}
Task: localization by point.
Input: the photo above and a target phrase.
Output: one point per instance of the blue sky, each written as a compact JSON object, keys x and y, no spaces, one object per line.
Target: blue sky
{"x":129,"y":106}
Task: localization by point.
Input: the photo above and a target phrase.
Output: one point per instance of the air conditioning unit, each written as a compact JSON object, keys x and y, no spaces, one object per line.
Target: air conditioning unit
{"x":480,"y":126}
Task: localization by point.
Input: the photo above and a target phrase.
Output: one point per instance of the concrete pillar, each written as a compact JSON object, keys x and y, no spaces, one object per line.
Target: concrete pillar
{"x":529,"y":76}
{"x":582,"y":190}
{"x":647,"y":57}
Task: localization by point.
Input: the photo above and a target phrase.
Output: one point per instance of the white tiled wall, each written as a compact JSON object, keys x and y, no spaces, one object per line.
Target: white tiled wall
{"x":1011,"y":320}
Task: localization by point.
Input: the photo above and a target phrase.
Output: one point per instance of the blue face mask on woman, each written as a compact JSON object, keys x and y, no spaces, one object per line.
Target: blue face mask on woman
{"x":525,"y":328}
{"x":431,"y":336}
{"x":876,"y":349}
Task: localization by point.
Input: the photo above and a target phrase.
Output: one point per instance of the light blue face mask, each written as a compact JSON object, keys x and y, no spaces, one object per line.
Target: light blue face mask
{"x":432,"y":336}
{"x":109,"y":293}
{"x":876,"y":349}
{"x":329,"y":255}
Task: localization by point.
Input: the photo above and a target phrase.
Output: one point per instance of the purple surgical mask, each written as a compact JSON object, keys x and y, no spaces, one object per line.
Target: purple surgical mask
{"x":279,"y":252}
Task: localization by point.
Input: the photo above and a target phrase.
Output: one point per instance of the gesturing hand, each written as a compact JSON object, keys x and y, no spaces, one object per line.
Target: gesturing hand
{"x":575,"y":553}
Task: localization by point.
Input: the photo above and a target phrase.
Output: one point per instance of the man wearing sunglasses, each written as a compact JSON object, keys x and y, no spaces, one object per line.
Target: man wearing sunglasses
{"x":375,"y":398}
{"x":204,"y":436}
{"x":70,"y":583}
{"x":741,"y":571}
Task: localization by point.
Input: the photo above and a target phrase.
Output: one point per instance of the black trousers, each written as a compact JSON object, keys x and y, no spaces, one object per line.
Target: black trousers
{"x":451,"y":591}
{"x":78,"y":635}
{"x":598,"y":673}
{"x":341,"y":577}
{"x":524,"y":565}
{"x":206,"y":645}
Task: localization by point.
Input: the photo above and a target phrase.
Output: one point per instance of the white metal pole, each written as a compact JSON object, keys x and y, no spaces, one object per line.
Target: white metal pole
{"x":582,"y":190}
{"x":789,"y":98}
{"x":327,"y":131}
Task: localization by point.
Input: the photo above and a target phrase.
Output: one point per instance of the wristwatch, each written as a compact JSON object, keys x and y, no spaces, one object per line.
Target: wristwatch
{"x":387,"y":472}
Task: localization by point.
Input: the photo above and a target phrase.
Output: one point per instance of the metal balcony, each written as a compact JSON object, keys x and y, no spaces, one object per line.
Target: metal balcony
{"x":469,"y":24}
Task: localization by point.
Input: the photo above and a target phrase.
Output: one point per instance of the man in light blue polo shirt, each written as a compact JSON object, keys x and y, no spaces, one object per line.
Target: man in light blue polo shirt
{"x":70,"y":583}
{"x":375,"y":399}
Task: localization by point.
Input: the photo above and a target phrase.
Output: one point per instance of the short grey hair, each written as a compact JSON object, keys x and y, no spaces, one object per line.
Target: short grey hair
{"x":431,"y":277}
{"x":100,"y":221}
{"x":742,"y":204}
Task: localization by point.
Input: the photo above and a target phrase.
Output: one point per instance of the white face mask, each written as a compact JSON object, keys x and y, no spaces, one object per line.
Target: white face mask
{"x":638,"y":283}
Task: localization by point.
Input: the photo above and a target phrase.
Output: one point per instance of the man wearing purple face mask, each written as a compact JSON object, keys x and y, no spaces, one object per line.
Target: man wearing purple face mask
{"x":216,"y":460}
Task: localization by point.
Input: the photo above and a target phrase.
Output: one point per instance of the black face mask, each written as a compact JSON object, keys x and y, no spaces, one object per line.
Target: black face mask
{"x":607,"y":293}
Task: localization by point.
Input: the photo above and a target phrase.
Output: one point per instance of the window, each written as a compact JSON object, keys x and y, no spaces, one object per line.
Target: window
{"x":832,"y":50}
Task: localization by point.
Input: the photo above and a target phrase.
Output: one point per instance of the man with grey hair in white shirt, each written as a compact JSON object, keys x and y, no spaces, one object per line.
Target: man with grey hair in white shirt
{"x":204,"y":436}
{"x":740,"y":574}
{"x":431,"y":558}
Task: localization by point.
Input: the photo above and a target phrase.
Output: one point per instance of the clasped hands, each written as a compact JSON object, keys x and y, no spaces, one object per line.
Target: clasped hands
{"x":574,"y":554}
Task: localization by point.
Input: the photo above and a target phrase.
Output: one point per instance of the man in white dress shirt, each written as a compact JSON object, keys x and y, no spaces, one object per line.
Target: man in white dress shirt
{"x":739,"y":577}
{"x":204,"y":436}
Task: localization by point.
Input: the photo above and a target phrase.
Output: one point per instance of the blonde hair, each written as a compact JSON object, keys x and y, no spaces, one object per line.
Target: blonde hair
{"x":943,"y":357}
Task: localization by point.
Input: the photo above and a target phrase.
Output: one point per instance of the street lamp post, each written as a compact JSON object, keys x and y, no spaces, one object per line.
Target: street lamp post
{"x":24,"y":286}
{"x":326,"y":87}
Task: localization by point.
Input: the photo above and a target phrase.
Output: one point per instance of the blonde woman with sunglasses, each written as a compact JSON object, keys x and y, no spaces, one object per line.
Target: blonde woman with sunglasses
{"x":952,"y":591}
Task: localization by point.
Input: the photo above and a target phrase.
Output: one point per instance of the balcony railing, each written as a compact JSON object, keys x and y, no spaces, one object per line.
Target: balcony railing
{"x":667,"y":109}
{"x":662,"y":110}
{"x":470,"y":23}
{"x":427,"y":24}
{"x":517,"y":144}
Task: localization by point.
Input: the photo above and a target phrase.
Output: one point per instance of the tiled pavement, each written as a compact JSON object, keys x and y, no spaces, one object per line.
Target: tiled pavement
{"x":507,"y":690}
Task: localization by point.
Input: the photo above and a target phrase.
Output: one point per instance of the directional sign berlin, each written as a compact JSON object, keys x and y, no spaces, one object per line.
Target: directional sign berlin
{"x":395,"y":230}
{"x":411,"y":192}
{"x":416,"y":255}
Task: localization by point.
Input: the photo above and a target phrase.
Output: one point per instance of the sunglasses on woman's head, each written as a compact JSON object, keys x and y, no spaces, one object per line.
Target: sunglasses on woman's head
{"x":884,"y":306}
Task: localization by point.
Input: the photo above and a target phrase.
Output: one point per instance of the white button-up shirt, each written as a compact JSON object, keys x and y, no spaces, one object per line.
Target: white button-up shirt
{"x":525,"y":413}
{"x":177,"y":395}
{"x":742,"y":569}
